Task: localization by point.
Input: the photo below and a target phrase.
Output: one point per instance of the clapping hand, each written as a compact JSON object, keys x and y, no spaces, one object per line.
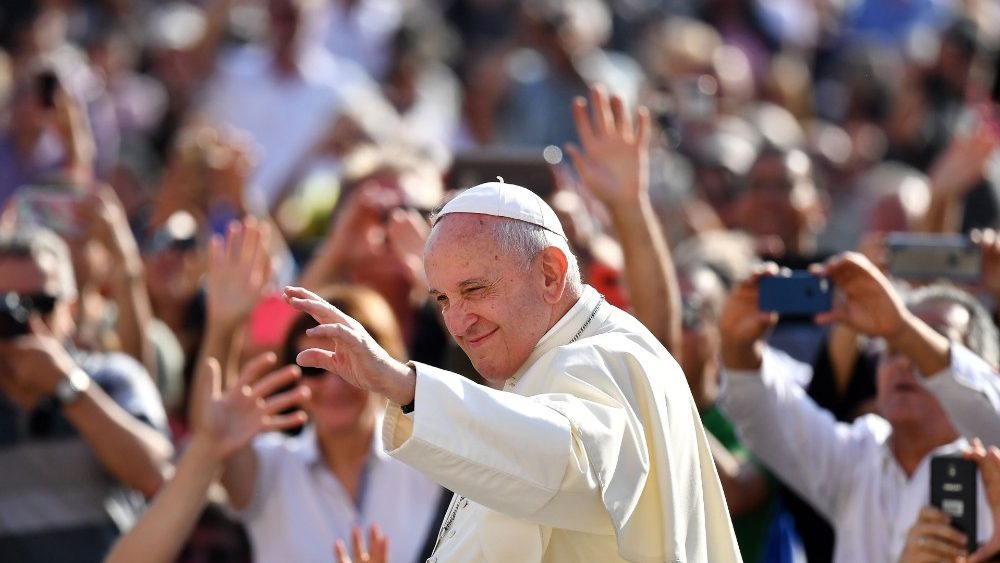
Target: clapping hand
{"x":352,"y":354}
{"x":613,"y":162}
{"x":227,"y":420}
{"x":376,"y":551}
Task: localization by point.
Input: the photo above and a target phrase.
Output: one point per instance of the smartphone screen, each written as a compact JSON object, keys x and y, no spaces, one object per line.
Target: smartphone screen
{"x":953,"y":491}
{"x":929,"y":257}
{"x":799,"y":294}
{"x":52,"y":207}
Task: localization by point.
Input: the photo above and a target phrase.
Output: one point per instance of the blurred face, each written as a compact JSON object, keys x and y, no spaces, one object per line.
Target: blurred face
{"x":493,"y":308}
{"x":900,"y":396}
{"x":335,"y":405}
{"x":371,"y":260}
{"x":772,"y":206}
{"x":700,"y":336}
{"x":285,"y":18}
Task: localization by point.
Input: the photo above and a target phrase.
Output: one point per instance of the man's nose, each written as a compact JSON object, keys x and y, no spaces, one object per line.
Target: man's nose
{"x":458,"y":320}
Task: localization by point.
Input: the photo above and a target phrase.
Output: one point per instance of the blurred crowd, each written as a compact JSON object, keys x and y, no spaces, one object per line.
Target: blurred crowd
{"x":167,"y":166}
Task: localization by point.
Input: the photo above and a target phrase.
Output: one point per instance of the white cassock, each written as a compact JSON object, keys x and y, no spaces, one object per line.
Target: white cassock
{"x":594,"y":452}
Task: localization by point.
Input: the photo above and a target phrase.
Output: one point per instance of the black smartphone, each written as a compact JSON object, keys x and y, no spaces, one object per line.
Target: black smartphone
{"x":48,"y":82}
{"x":953,"y":491}
{"x":927,"y":257}
{"x":797,"y":294}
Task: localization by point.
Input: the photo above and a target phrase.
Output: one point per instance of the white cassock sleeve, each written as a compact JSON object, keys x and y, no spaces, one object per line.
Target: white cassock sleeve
{"x":795,"y":438}
{"x":521,"y":456}
{"x":969,"y":391}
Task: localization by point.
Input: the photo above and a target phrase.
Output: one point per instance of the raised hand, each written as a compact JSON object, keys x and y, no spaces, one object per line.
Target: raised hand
{"x":228,"y":420}
{"x":961,"y":166}
{"x":931,"y":539}
{"x":870,"y":304}
{"x":376,"y":551}
{"x":352,"y":353}
{"x":239,"y":270}
{"x":742,"y":325}
{"x":989,"y":472}
{"x":613,"y":162}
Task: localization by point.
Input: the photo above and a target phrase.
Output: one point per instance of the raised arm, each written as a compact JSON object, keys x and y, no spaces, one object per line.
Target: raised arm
{"x":109,"y":225}
{"x":223,"y":423}
{"x":797,"y":440}
{"x":239,"y":270}
{"x":614,"y":166}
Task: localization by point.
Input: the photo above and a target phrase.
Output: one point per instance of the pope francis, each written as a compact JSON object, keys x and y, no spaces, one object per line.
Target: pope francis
{"x":585,"y":446}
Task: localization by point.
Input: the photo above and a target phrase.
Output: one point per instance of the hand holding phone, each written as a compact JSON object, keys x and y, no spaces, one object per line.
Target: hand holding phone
{"x":953,"y":491}
{"x":58,"y":208}
{"x":927,"y":257}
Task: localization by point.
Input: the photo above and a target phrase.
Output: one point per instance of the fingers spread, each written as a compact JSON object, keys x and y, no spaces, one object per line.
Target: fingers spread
{"x":256,"y":368}
{"x":276,"y":380}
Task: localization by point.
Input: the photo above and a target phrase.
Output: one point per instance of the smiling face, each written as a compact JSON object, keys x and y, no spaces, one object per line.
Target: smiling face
{"x":494,"y":308}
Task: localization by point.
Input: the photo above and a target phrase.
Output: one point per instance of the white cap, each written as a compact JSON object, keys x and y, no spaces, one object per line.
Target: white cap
{"x":505,"y":200}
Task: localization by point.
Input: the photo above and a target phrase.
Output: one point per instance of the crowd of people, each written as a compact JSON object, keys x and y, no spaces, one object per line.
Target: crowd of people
{"x":167,"y":168}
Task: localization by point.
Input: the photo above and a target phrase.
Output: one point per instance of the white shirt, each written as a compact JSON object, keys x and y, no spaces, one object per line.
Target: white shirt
{"x":846,"y":471}
{"x":286,"y":116}
{"x":594,"y":452}
{"x":299,"y":508}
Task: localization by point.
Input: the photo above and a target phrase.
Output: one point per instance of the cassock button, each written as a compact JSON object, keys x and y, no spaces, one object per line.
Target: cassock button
{"x":432,"y":560}
{"x":451,"y":534}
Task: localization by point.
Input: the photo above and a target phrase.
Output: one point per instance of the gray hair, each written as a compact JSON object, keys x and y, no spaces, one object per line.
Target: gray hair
{"x":525,"y":241}
{"x":983,"y":333}
{"x":37,"y":244}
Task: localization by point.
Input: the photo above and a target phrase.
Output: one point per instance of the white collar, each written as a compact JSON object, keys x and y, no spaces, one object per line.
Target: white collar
{"x":306,"y":444}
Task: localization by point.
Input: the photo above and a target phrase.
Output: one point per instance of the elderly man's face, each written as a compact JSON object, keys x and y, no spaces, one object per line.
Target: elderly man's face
{"x":493,"y":308}
{"x":900,"y":396}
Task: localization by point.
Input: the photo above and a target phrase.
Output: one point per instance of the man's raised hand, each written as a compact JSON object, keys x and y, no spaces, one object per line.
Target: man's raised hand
{"x":614,"y":159}
{"x":352,"y":353}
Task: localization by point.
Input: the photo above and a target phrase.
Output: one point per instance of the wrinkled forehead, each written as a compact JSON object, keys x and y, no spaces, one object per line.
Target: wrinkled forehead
{"x":465,"y":241}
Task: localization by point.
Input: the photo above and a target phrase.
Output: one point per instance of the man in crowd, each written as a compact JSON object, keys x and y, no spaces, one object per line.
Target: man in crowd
{"x":81,"y":435}
{"x":870,"y":478}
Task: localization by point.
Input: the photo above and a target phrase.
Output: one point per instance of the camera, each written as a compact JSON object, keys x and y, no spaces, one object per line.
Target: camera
{"x":14,"y":313}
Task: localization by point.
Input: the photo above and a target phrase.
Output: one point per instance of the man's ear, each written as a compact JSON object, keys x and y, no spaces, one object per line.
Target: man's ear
{"x":554,"y":268}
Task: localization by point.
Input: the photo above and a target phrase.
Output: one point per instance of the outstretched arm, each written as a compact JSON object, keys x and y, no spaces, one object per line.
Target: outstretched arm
{"x":614,"y":166}
{"x":223,"y":423}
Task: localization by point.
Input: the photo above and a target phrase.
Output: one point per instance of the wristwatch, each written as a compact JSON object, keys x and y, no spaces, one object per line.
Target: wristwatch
{"x":72,"y":386}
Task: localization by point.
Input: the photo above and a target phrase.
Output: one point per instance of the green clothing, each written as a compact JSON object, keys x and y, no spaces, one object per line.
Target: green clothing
{"x":751,"y":528}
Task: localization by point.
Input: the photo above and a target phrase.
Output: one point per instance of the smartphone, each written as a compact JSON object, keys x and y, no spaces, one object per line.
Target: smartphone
{"x":953,"y":491}
{"x":797,"y":294}
{"x":53,"y":207}
{"x":926,"y":257}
